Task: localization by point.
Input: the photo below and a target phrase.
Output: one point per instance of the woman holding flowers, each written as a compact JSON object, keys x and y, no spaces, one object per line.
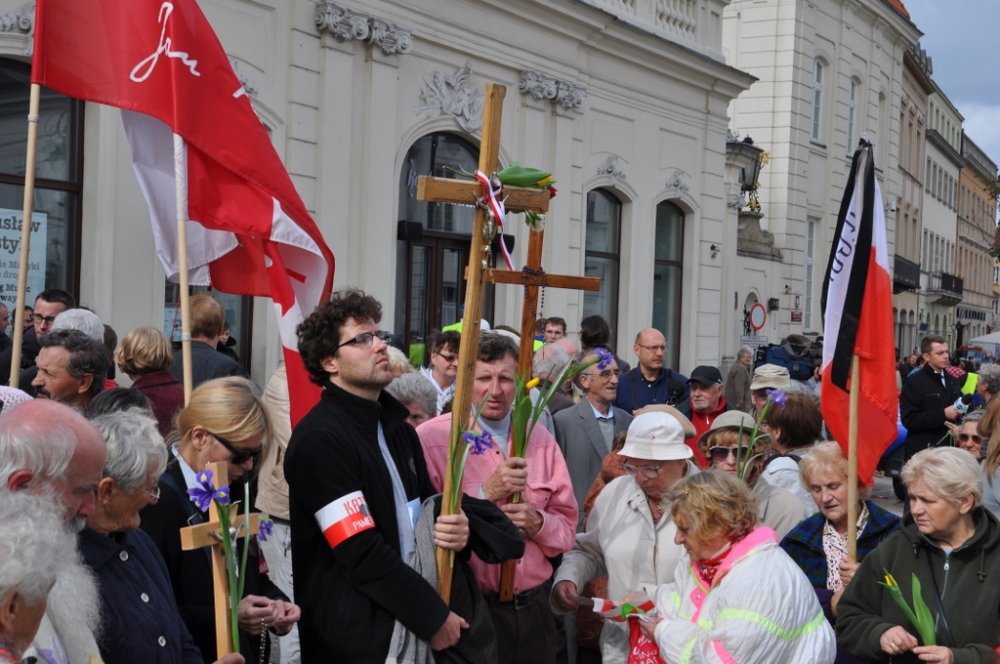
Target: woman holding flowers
{"x":819,"y":544}
{"x":224,"y":422}
{"x":736,"y":597}
{"x":727,"y":447}
{"x":938,"y":577}
{"x":630,"y":531}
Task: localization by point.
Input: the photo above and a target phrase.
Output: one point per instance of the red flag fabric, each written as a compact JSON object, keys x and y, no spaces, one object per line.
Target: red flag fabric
{"x":161,"y":62}
{"x":857,"y":308}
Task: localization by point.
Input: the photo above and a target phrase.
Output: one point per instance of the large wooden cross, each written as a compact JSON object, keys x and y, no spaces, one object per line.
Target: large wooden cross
{"x":447,"y":190}
{"x":207,"y":534}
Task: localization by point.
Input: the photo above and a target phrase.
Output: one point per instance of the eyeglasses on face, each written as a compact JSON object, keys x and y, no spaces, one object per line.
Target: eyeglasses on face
{"x":153,"y":493}
{"x":721,"y":454}
{"x":365,"y":339}
{"x":606,"y":374}
{"x":661,"y":348}
{"x":38,"y":318}
{"x":647,"y":471}
{"x":240,"y":457}
{"x":966,"y":437}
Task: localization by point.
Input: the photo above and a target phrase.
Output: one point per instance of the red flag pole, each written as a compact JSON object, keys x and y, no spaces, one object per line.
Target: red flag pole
{"x":180,"y":182}
{"x":852,"y":462}
{"x":28,"y":211}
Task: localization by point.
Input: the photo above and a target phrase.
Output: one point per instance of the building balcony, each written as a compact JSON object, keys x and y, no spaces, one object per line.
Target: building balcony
{"x":905,"y":275}
{"x":945,"y":289}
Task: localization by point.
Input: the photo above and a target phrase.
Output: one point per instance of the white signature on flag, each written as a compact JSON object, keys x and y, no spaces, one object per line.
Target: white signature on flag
{"x":144,"y":69}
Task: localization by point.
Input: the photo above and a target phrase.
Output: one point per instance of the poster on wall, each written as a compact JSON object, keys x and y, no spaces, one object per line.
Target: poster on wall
{"x":10,"y":255}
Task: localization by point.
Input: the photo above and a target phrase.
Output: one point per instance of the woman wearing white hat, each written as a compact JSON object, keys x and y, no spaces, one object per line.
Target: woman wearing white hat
{"x":630,"y":533}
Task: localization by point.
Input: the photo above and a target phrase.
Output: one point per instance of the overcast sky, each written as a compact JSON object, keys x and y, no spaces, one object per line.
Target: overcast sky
{"x":959,"y":36}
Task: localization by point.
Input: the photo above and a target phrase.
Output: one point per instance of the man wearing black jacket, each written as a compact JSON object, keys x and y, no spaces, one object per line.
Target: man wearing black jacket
{"x":927,"y":400}
{"x":356,"y":478}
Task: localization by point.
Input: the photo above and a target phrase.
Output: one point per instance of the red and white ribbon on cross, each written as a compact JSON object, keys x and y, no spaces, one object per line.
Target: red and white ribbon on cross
{"x":491,"y":198}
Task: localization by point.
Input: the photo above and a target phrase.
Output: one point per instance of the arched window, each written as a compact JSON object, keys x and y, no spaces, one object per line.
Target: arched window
{"x":602,"y":259}
{"x":667,"y":272}
{"x":55,"y":239}
{"x":852,"y":115}
{"x":819,"y":69}
{"x":432,"y":248}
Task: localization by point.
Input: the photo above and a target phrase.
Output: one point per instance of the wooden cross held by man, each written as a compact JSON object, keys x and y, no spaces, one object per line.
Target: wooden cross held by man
{"x":462,"y":192}
{"x":207,"y":534}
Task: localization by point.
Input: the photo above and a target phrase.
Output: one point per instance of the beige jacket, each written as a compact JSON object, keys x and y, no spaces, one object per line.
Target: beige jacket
{"x":272,"y":491}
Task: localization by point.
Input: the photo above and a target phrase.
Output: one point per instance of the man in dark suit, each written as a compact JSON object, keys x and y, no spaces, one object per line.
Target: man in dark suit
{"x":927,"y":401}
{"x":208,"y":317}
{"x":585,"y":431}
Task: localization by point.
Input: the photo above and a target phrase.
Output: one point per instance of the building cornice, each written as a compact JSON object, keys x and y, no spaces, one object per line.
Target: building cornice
{"x":938,"y":141}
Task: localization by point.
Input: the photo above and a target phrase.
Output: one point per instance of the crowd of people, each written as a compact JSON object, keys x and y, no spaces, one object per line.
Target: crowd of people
{"x":703,"y":518}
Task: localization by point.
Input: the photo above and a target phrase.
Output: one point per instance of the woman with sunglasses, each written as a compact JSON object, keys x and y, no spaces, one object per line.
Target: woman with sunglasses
{"x":819,"y":544}
{"x":225,"y":421}
{"x":727,"y":447}
{"x":630,"y":533}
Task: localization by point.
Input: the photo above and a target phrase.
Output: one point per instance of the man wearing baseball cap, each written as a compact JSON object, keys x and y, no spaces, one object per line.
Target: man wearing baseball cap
{"x":706,"y":403}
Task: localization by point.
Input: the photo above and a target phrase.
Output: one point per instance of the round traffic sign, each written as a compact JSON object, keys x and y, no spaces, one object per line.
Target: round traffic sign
{"x":758,"y":316}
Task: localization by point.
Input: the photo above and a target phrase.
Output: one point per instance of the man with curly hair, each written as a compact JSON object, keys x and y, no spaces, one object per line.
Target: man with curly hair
{"x":356,"y":480}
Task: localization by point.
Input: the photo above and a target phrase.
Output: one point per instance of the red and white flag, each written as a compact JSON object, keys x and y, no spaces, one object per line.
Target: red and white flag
{"x":162,"y":64}
{"x":344,"y":518}
{"x":857,"y":309}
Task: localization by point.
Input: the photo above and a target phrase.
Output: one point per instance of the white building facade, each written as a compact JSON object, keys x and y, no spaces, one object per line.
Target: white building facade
{"x":625,"y":102}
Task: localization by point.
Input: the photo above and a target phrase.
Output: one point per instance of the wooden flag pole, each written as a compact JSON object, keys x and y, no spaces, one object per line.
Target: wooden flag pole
{"x":27,"y":213}
{"x":180,"y":182}
{"x":852,"y":462}
{"x":468,"y":349}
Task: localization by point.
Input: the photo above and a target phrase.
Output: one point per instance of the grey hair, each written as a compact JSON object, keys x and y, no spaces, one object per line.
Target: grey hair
{"x":974,"y":415}
{"x":44,"y":447}
{"x":83,"y":320}
{"x":991,"y":374}
{"x":134,"y":444}
{"x":744,"y":351}
{"x":86,"y":356}
{"x":415,"y":387}
{"x":35,"y":545}
{"x":950,"y":472}
{"x":549,"y":360}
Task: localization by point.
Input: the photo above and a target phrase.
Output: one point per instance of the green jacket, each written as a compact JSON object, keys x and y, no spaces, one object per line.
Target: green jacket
{"x":968,"y":578}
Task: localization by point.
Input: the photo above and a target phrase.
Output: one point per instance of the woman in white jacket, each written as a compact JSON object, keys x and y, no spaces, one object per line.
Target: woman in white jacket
{"x":630,"y":533}
{"x":737,"y":597}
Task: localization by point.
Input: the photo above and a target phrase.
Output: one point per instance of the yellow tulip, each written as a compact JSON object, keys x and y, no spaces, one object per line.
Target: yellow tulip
{"x":533,"y":383}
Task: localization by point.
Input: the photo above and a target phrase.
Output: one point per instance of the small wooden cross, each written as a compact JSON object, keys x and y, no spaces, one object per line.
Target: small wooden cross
{"x":207,"y":534}
{"x":446,"y":190}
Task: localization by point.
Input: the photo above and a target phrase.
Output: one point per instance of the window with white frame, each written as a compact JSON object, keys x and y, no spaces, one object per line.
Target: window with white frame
{"x":810,"y":264}
{"x":817,"y":116}
{"x":852,"y":114}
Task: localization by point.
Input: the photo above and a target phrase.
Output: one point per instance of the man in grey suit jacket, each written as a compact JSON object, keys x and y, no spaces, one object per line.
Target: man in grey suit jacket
{"x":585,"y":431}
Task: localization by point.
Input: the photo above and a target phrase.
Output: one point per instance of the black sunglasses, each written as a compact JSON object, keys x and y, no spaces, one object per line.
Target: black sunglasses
{"x":240,"y":457}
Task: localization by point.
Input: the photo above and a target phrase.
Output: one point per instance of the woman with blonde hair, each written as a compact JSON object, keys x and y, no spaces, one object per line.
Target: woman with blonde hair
{"x":225,"y":422}
{"x":145,"y":357}
{"x":736,"y":596}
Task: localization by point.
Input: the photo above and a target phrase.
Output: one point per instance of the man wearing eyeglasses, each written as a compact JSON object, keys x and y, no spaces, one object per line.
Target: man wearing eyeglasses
{"x":49,"y":304}
{"x":651,"y":382}
{"x":546,"y":516}
{"x":356,"y":482}
{"x":444,"y":366}
{"x":585,"y":431}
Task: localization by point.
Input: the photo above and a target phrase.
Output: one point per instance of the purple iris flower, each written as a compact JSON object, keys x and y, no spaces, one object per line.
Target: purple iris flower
{"x":222,"y":495}
{"x":205,"y":492}
{"x":479,"y":444}
{"x":777,"y":397}
{"x":604,"y":359}
{"x":265,"y":530}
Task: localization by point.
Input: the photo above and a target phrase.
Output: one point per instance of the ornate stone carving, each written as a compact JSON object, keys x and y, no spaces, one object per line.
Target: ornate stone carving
{"x":22,"y":22}
{"x":679,"y":180}
{"x":248,"y":86}
{"x":735,"y":201}
{"x":454,"y":96}
{"x":612,"y":167}
{"x":347,"y":25}
{"x":542,"y":86}
{"x":388,"y":38}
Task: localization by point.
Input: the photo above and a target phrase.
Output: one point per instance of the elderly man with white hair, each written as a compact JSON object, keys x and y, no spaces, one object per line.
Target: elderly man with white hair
{"x":34,"y":546}
{"x":47,"y":448}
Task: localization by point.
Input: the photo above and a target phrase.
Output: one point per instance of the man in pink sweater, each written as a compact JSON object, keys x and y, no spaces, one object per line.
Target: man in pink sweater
{"x":546,"y":518}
